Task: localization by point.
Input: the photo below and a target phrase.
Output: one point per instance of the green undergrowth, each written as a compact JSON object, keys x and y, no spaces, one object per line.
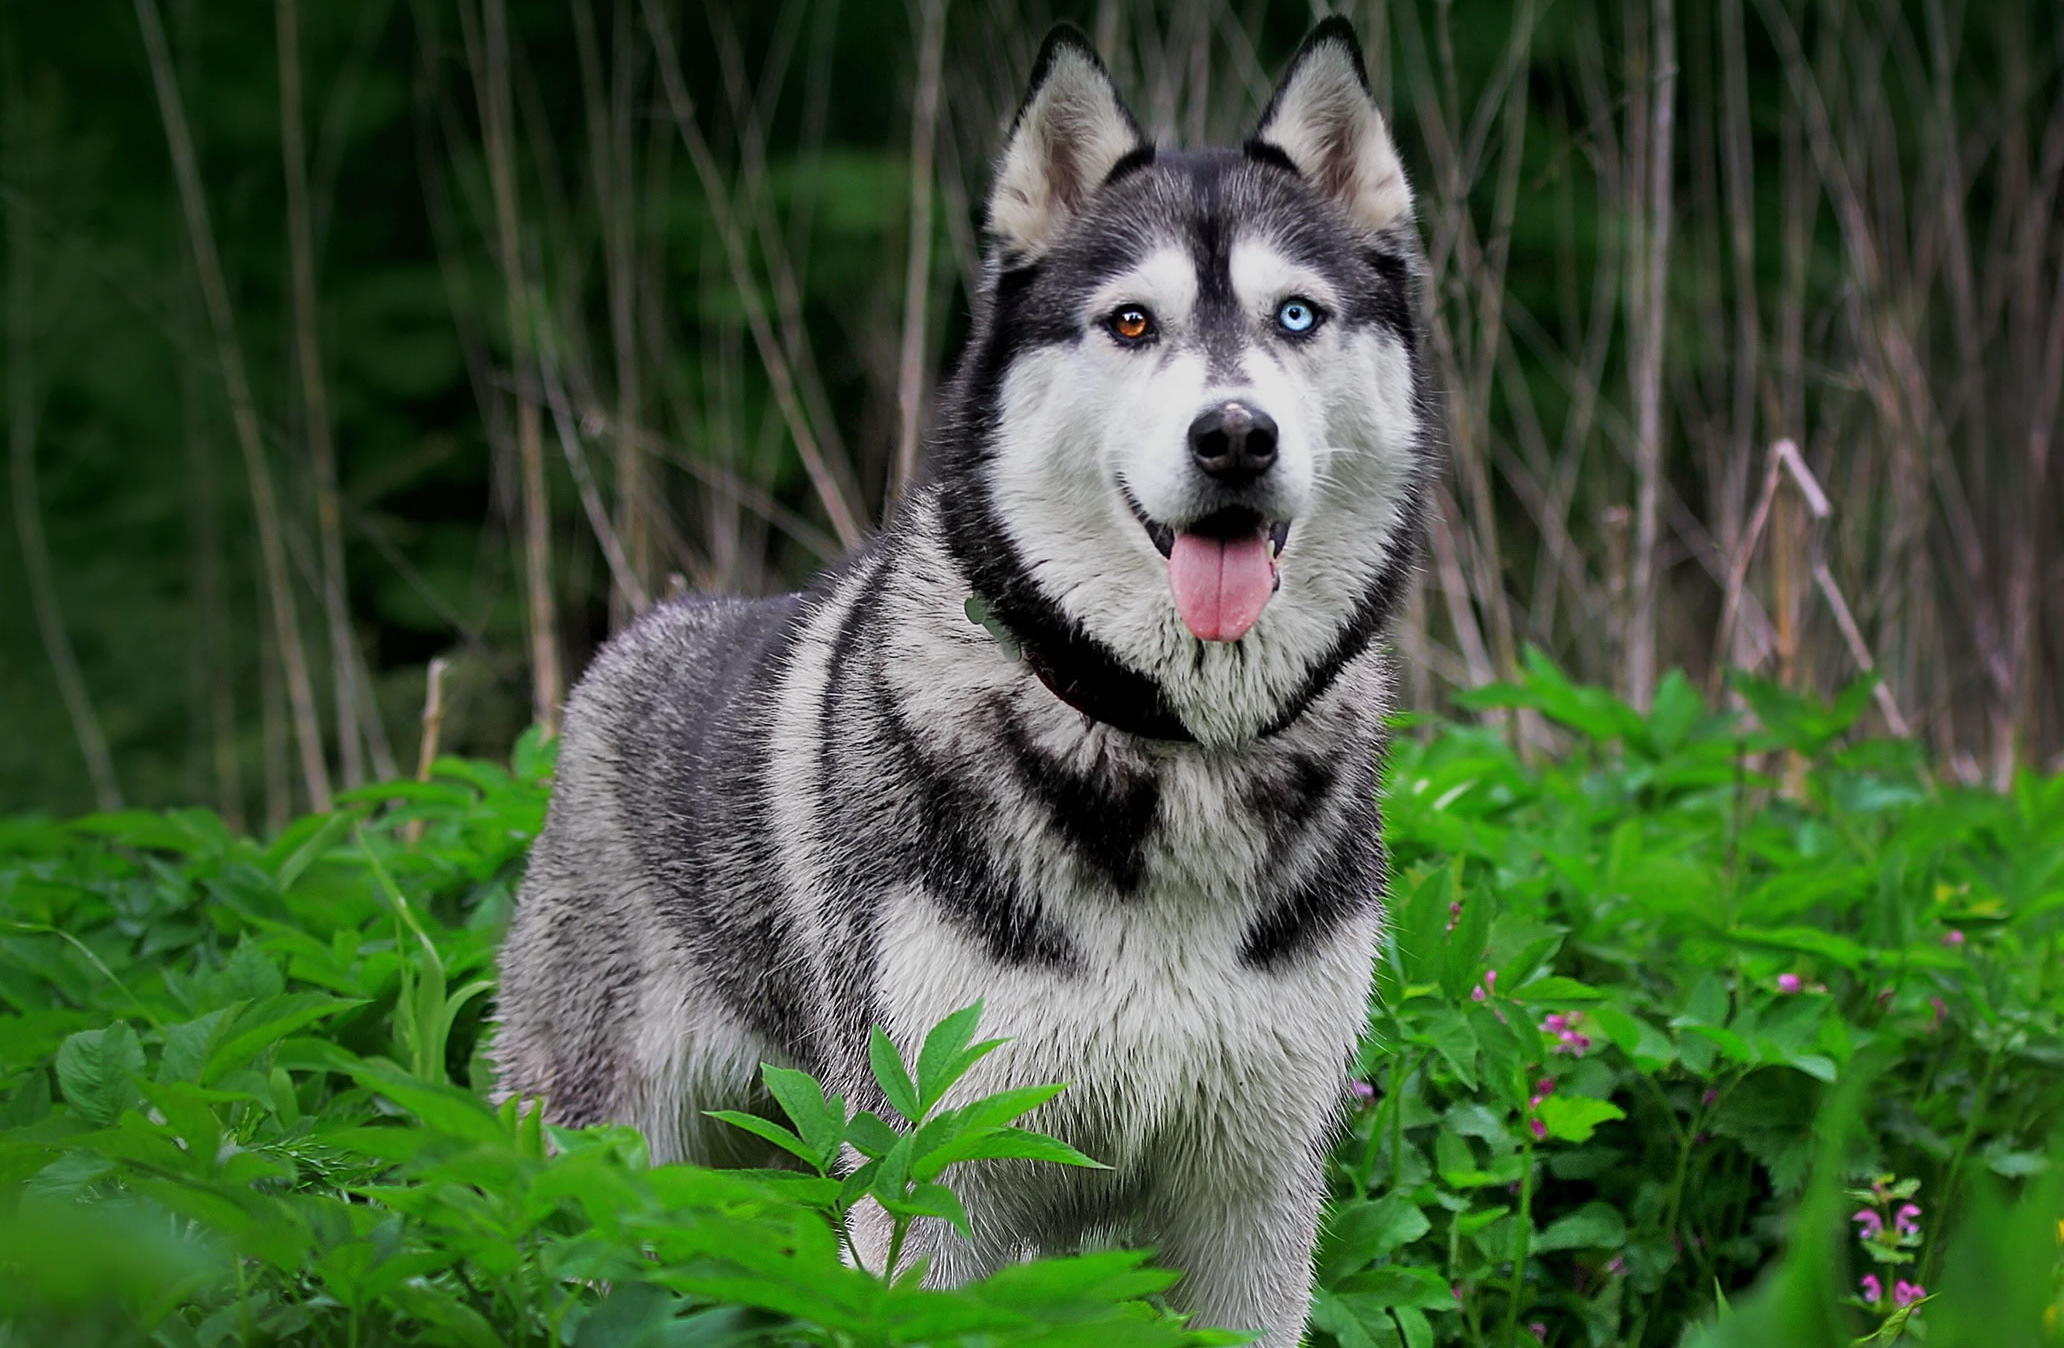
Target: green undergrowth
{"x":1721,"y":1029}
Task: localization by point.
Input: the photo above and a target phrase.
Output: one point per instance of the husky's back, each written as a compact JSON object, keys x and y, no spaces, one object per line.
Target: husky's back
{"x":1180,"y":467}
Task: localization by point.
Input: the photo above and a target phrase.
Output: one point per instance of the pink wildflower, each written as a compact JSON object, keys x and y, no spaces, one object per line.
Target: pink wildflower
{"x":1952,"y":937}
{"x":1873,"y":1290}
{"x":1538,"y":1128}
{"x":1906,"y":1293}
{"x":1362,"y":1091}
{"x":1788,"y":983}
{"x":1545,"y":1086}
{"x":1616,"y":1265}
{"x":1554,"y":1023}
{"x":1487,"y":988}
{"x":1903,"y":1221}
{"x":1869,"y":1224}
{"x":1538,"y":1330}
{"x":1709,"y":1099}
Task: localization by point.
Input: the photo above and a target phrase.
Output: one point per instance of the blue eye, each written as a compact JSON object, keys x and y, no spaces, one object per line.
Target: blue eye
{"x":1297,"y":316}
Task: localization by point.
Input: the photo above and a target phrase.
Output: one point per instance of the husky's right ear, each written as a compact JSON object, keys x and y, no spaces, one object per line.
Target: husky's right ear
{"x":1324,"y":121}
{"x":1070,"y":133}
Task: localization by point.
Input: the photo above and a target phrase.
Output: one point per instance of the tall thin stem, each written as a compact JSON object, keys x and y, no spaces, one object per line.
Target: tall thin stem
{"x":28,"y":512}
{"x":315,"y":400}
{"x":917,"y":275}
{"x":1661,"y":105}
{"x":243,"y":409}
{"x":491,"y":83}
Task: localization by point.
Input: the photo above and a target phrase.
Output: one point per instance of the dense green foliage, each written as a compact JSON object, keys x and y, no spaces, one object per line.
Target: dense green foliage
{"x":1646,"y":1013}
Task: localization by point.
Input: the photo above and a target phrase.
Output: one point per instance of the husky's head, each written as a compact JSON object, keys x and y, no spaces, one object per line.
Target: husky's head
{"x":1186,"y":446}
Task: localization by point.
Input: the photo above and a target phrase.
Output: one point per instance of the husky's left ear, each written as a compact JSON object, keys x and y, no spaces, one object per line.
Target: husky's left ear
{"x":1070,"y":133}
{"x":1323,"y":119}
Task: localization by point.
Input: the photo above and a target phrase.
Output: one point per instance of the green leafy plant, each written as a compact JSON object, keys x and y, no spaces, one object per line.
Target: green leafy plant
{"x":900,"y":1168}
{"x":1658,"y":1015}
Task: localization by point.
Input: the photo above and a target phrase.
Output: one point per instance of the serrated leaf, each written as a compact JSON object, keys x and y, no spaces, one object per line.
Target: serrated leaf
{"x":765,"y":1129}
{"x":941,"y":1051}
{"x":1019,"y":1144}
{"x":819,"y":1121}
{"x":870,"y":1135}
{"x":1595,"y":1226}
{"x":1573,"y":1118}
{"x":96,"y":1071}
{"x":888,"y":1071}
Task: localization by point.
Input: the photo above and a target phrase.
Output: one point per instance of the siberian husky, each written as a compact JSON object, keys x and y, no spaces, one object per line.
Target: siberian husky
{"x":1180,"y":468}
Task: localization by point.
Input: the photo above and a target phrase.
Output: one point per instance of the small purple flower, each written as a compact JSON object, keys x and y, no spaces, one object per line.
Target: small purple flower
{"x":1554,"y":1023}
{"x":1709,"y":1099}
{"x":1952,"y":937}
{"x":1616,"y":1265}
{"x":1873,"y":1290}
{"x":1903,"y":1220}
{"x":1538,"y":1128}
{"x":1538,"y":1330}
{"x":1362,"y":1091}
{"x":1906,"y":1293}
{"x":1869,"y":1224}
{"x":1788,"y":983}
{"x":1545,"y":1086}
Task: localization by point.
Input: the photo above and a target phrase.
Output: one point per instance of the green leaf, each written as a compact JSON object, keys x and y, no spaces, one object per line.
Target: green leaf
{"x":1572,"y":1118}
{"x":96,"y":1070}
{"x":1450,"y":1034}
{"x":940,"y":1055}
{"x":1018,"y":1144}
{"x":1364,"y":1230}
{"x":1595,"y":1226}
{"x":937,"y":1200}
{"x":869,"y":1135}
{"x":1397,"y":1286}
{"x":770,"y":1131}
{"x":1557,"y":990}
{"x":820,"y":1121}
{"x":890,"y":1076}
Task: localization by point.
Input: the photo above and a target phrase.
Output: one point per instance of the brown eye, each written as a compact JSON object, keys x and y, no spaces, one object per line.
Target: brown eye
{"x":1132,"y":324}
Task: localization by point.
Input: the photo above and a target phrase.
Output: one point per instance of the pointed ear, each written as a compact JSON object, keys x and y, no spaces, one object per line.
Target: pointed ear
{"x":1070,"y":133}
{"x":1324,"y":121}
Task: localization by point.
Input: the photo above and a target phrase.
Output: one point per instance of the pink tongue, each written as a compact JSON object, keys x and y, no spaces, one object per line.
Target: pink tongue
{"x":1220,"y":584}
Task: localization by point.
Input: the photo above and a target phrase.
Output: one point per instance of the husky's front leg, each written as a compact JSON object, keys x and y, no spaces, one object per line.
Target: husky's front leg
{"x":1244,"y":1250}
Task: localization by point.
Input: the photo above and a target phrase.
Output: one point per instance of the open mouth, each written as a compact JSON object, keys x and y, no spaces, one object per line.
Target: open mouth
{"x":1221,"y":568}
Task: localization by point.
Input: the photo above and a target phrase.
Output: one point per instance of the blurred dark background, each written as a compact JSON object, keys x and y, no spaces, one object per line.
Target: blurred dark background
{"x":342,"y":337}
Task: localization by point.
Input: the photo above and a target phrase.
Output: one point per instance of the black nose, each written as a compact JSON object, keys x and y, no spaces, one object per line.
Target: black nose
{"x":1233,"y":443}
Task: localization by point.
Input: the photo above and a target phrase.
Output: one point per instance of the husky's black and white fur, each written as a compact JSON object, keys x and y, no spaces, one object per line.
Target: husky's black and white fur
{"x":1143,"y":827}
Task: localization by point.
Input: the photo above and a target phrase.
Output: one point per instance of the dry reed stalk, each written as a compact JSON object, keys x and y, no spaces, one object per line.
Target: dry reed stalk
{"x":754,"y":203}
{"x":315,"y":400}
{"x":610,"y":108}
{"x":487,"y":43}
{"x":844,"y":515}
{"x":243,"y":410}
{"x":1649,"y":298}
{"x":432,"y":727}
{"x":623,"y":580}
{"x":28,"y":510}
{"x":917,"y":274}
